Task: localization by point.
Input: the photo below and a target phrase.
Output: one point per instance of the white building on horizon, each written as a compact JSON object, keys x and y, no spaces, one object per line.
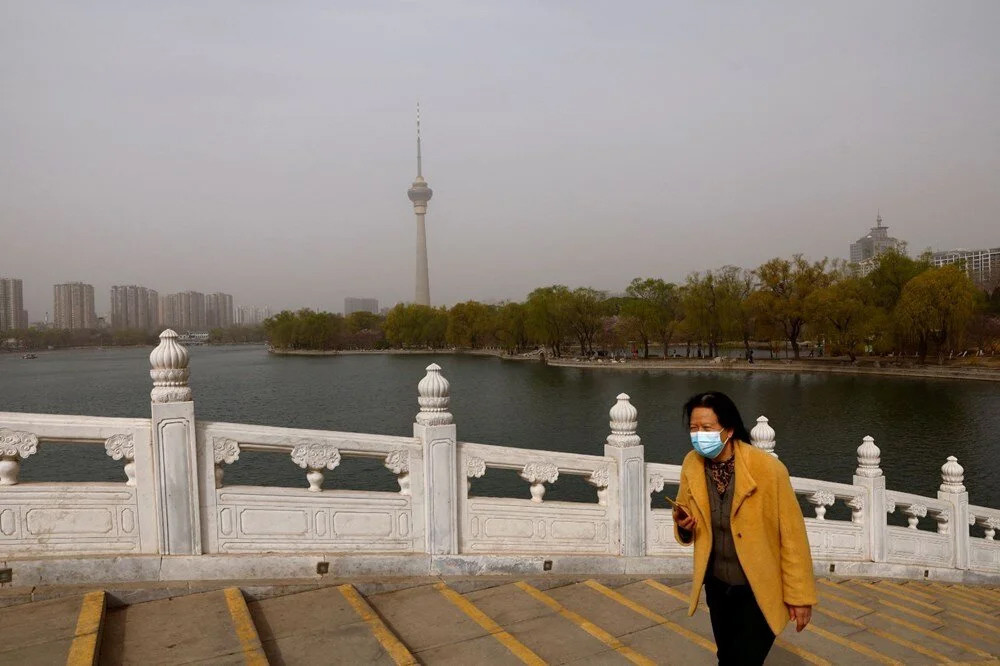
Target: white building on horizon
{"x":352,"y":305}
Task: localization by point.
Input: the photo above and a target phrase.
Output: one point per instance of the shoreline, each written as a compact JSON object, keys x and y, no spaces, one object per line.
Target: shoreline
{"x":739,"y":365}
{"x":682,"y":365}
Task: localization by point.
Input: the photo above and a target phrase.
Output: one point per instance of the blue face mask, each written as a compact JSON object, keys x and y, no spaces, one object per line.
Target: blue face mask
{"x":708,"y":444}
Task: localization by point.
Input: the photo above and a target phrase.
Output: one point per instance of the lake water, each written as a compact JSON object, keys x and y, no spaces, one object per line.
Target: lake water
{"x":819,"y":419}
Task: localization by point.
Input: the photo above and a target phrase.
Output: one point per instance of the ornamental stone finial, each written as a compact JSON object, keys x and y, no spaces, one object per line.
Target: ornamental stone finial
{"x":169,"y":362}
{"x":762,"y":436}
{"x":869,"y":458}
{"x":433,"y":398}
{"x":952,"y":476}
{"x":624,"y":421}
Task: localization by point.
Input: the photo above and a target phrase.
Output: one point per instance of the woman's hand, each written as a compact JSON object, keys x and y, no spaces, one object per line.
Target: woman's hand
{"x":683,"y":519}
{"x":800,"y":615}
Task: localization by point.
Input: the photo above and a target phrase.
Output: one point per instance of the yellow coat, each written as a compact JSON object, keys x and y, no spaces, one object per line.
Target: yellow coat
{"x":768,"y":531}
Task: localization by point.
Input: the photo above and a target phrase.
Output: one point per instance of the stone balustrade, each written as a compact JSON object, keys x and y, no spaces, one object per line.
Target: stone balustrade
{"x":174,"y":499}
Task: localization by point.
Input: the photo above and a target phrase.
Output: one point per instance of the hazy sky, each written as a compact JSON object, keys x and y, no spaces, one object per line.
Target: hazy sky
{"x":265,"y":148}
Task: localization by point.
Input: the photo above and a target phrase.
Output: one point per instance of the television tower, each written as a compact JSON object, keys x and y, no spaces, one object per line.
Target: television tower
{"x":420,"y":194}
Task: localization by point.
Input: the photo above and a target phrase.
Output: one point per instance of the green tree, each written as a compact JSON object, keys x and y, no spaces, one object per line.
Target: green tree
{"x":652,"y":311}
{"x":412,"y":325}
{"x":845,"y":311}
{"x":893,"y":270}
{"x":735,"y":287}
{"x":510,"y":326}
{"x":784,"y":286}
{"x":586,"y":313}
{"x":548,"y":313}
{"x":470,"y":324}
{"x":935,"y":307}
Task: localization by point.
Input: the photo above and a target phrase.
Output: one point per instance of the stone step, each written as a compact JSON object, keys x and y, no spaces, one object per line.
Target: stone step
{"x":329,"y":625}
{"x":212,"y":627}
{"x":60,"y":630}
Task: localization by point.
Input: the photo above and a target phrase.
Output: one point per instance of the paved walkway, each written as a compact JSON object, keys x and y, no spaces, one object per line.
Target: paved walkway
{"x":480,"y":621}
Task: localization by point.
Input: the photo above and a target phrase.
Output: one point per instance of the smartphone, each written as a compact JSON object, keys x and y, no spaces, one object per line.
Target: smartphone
{"x":683,"y":509}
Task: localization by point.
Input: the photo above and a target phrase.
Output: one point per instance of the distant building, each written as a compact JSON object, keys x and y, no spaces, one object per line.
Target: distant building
{"x":134,"y":307}
{"x":252,"y":315}
{"x":13,"y":316}
{"x":184,"y":311}
{"x":218,"y":310}
{"x":983,"y":266}
{"x":868,"y":247}
{"x":74,"y":306}
{"x":352,"y":305}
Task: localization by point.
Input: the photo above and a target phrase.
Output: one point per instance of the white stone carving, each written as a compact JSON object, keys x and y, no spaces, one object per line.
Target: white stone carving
{"x":314,"y":456}
{"x":857,"y":504}
{"x":952,"y":476}
{"x":475,"y":467}
{"x":398,"y":462}
{"x":943,"y":520}
{"x":225,"y":451}
{"x":538,"y":473}
{"x":15,"y":446}
{"x":656,"y":483}
{"x":992,"y":525}
{"x":821,"y":499}
{"x":600,"y":478}
{"x":433,"y":398}
{"x":123,"y":446}
{"x":762,"y":436}
{"x":914,"y":512}
{"x":890,"y":504}
{"x":169,"y":363}
{"x":624,"y":421}
{"x":869,"y":459}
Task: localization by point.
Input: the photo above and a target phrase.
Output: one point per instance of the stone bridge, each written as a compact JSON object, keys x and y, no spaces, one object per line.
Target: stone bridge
{"x":173,"y":565}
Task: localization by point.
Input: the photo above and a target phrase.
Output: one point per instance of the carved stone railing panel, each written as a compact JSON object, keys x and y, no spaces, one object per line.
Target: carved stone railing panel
{"x":538,"y":473}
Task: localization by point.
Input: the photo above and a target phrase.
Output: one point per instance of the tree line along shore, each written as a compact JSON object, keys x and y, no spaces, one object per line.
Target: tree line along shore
{"x":904,"y":308}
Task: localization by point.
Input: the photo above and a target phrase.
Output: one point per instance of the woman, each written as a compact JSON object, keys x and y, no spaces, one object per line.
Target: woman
{"x":736,"y":503}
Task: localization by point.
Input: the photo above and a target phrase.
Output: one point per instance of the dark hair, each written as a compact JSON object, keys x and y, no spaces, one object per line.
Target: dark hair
{"x":725,"y":410}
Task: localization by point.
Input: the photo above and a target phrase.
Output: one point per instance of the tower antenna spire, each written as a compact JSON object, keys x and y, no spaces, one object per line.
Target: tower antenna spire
{"x":420,"y":171}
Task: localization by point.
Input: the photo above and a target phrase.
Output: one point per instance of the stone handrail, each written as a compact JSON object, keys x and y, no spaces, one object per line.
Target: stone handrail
{"x":173,"y":499}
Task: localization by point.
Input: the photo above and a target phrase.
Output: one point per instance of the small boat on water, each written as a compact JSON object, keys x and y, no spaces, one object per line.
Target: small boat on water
{"x":30,"y":356}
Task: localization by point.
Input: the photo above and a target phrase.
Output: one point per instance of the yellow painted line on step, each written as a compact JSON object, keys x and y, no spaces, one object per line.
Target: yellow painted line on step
{"x":936,"y":636}
{"x":651,"y":615}
{"x":963,"y":597}
{"x":83,"y":649}
{"x":588,"y":626}
{"x":517,"y":648}
{"x":928,"y":596}
{"x":995,"y":626}
{"x":909,"y":611}
{"x":889,"y":636}
{"x":246,"y":631}
{"x":847,"y":602}
{"x":819,"y":631}
{"x":969,"y":610}
{"x":984,"y":594}
{"x":879,"y":589}
{"x":392,"y":645}
{"x":975,"y":633}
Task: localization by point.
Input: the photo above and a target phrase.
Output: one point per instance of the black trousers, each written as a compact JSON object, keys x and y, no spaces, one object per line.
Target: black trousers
{"x":742,"y":635}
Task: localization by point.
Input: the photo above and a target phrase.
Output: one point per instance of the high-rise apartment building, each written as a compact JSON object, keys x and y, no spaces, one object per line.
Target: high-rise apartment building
{"x":13,"y":316}
{"x":252,"y":315}
{"x":218,"y":310}
{"x":983,"y":266}
{"x":73,"y":306}
{"x":184,"y":311}
{"x":352,"y":305}
{"x":134,"y":307}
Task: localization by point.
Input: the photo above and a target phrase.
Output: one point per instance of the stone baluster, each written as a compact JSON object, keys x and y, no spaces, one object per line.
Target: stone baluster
{"x":762,"y":436}
{"x":625,"y":447}
{"x":914,"y":512}
{"x":15,"y":446}
{"x":398,"y":462}
{"x":119,"y":447}
{"x":990,"y":525}
{"x":175,"y":468}
{"x":953,"y":490}
{"x":225,"y":451}
{"x":821,"y":499}
{"x":538,"y":473}
{"x":870,"y":508}
{"x":435,"y":429}
{"x":315,"y":457}
{"x":600,"y":478}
